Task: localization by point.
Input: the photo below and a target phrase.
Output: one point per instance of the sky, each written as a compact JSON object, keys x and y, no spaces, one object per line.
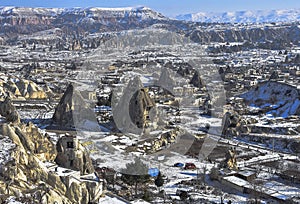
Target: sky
{"x":166,"y":7}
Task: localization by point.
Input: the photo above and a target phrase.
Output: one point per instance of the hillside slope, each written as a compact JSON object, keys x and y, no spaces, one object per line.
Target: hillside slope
{"x":274,"y":99}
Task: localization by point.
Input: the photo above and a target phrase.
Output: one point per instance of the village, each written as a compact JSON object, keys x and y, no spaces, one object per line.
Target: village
{"x":149,"y":116}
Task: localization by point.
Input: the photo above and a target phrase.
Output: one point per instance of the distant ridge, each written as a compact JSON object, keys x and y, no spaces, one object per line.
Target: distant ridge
{"x":259,"y":16}
{"x":27,"y":20}
{"x":139,"y":11}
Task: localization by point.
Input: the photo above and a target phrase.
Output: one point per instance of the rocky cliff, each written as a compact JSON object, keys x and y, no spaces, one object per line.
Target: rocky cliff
{"x":25,"y":175}
{"x":274,"y":99}
{"x":21,"y":88}
{"x":73,"y":25}
{"x":72,"y":155}
{"x":74,"y":112}
{"x":284,"y":33}
{"x":30,"y":20}
{"x":8,"y":111}
{"x":131,"y":111}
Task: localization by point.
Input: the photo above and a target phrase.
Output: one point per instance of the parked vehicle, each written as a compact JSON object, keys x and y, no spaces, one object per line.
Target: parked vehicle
{"x":153,"y":172}
{"x":178,"y":164}
{"x":190,"y":166}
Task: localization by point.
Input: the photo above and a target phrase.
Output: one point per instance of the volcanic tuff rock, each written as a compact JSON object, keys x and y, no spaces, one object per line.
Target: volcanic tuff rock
{"x":8,"y":111}
{"x":277,"y":33}
{"x":23,"y":171}
{"x":17,"y":20}
{"x":55,"y":24}
{"x":29,"y":89}
{"x":72,"y":155}
{"x":165,"y":80}
{"x":131,"y":113}
{"x":72,"y":111}
{"x":24,"y":174}
{"x":121,"y":114}
{"x":18,"y":88}
{"x":273,"y":98}
{"x":139,"y":107}
{"x":196,"y":80}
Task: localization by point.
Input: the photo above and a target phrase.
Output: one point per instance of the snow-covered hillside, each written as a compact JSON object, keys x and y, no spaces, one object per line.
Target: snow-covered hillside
{"x":243,"y":16}
{"x":6,"y":146}
{"x":29,"y":20}
{"x":274,"y":99}
{"x":142,"y":12}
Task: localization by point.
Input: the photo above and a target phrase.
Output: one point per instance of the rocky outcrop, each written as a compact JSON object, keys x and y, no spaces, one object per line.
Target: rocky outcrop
{"x":73,"y":112}
{"x":12,"y":88}
{"x":71,"y":154}
{"x":24,"y":174}
{"x":21,"y":89}
{"x":8,"y":111}
{"x":131,"y":113}
{"x":30,"y":90}
{"x":17,"y":20}
{"x":20,"y":175}
{"x":139,"y":107}
{"x":63,"y":23}
{"x":196,"y":80}
{"x":273,"y":98}
{"x":166,"y":81}
{"x":251,"y":34}
{"x":230,"y":161}
{"x":230,"y":121}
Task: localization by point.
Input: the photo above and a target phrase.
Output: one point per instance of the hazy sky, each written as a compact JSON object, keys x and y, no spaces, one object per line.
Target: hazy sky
{"x":166,"y":7}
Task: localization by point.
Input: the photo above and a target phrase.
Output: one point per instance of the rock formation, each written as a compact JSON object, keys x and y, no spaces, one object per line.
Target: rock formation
{"x":166,"y":81}
{"x":22,"y":88}
{"x":73,"y":112}
{"x":24,"y":174}
{"x":8,"y":111}
{"x":274,"y":98}
{"x":139,"y":107}
{"x":131,"y":113}
{"x":31,"y":90}
{"x":12,"y":88}
{"x":196,"y":80}
{"x":71,"y":154}
{"x":231,"y":161}
{"x":230,"y":121}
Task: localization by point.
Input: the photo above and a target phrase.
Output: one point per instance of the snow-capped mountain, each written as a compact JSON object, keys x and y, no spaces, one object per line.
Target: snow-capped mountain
{"x":243,"y":16}
{"x":30,"y":20}
{"x":143,"y":12}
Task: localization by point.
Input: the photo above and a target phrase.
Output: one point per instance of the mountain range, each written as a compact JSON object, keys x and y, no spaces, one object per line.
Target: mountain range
{"x":259,"y":16}
{"x":30,"y":20}
{"x":70,"y":28}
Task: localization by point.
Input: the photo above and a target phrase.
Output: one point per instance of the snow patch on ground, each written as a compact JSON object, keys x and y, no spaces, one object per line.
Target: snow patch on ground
{"x":6,"y":146}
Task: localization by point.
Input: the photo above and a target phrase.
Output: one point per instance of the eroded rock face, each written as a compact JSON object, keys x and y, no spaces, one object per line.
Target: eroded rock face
{"x":8,"y":111}
{"x":72,"y":155}
{"x":23,"y":174}
{"x":139,"y":107}
{"x":231,"y":161}
{"x":12,"y":88}
{"x":72,"y":111}
{"x":131,"y":113}
{"x":166,"y":81}
{"x":21,"y":89}
{"x":274,"y":98}
{"x":230,"y":122}
{"x":30,"y":90}
{"x":197,"y":81}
